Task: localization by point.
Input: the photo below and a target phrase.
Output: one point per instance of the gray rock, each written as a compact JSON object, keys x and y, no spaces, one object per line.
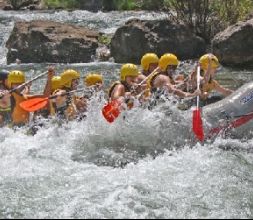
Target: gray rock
{"x":91,"y":5}
{"x":234,"y":46}
{"x":3,"y":4}
{"x":52,"y":42}
{"x":137,"y":37}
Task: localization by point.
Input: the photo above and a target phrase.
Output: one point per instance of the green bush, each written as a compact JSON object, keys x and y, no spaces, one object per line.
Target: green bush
{"x":67,"y":4}
{"x":208,"y":17}
{"x":127,"y":5}
{"x":105,"y":39}
{"x":109,"y":5}
{"x":152,"y":4}
{"x":232,"y":11}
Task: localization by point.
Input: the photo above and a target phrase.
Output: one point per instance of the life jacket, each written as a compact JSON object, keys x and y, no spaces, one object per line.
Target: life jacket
{"x":147,"y":93}
{"x":6,"y":116}
{"x":19,"y":115}
{"x":8,"y":109}
{"x":71,"y":111}
{"x":5,"y":109}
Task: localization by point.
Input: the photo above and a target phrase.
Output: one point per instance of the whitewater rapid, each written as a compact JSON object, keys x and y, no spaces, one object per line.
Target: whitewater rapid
{"x":144,"y":165}
{"x":66,"y":172}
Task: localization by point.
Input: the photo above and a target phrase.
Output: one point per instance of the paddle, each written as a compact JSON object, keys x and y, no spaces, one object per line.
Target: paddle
{"x":150,"y":75}
{"x":111,"y":110}
{"x":196,"y":120}
{"x":36,"y":104}
{"x":239,"y":121}
{"x":26,"y":83}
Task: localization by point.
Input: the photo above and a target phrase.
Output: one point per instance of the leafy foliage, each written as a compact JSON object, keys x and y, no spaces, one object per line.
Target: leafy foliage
{"x":105,"y":39}
{"x":120,"y":4}
{"x":62,"y":3}
{"x":207,"y":17}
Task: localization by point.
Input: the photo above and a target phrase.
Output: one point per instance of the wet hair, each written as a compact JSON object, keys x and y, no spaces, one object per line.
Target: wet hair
{"x":4,"y":75}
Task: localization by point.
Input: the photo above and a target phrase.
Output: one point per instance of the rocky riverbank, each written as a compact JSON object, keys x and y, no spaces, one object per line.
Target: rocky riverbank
{"x":44,"y":41}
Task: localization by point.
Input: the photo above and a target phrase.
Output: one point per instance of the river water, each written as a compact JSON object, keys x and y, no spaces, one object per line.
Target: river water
{"x":139,"y":167}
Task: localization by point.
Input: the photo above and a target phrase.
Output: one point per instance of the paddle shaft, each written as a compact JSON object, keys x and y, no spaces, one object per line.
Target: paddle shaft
{"x":67,"y":93}
{"x":198,"y":85}
{"x":26,"y":83}
{"x":146,"y":78}
{"x":150,"y":75}
{"x":35,"y":104}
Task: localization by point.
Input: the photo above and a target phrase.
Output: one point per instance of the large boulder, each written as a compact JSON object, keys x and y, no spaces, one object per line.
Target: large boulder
{"x":91,"y":5}
{"x":53,"y":42}
{"x":234,"y":46}
{"x":138,"y":37}
{"x":3,"y":4}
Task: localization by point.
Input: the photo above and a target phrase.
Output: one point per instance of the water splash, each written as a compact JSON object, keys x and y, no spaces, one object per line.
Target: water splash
{"x":39,"y":178}
{"x":91,"y":169}
{"x":142,"y":166}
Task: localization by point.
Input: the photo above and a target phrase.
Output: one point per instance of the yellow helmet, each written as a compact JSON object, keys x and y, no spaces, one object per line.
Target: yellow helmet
{"x":67,"y":77}
{"x":166,"y":60}
{"x":204,"y":61}
{"x":16,"y":77}
{"x":147,"y":59}
{"x":92,"y":79}
{"x":56,"y":83}
{"x":128,"y":69}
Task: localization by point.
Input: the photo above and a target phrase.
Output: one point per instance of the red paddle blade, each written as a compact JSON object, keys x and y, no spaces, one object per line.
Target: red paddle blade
{"x":34,"y":105}
{"x":198,"y":125}
{"x":111,"y":111}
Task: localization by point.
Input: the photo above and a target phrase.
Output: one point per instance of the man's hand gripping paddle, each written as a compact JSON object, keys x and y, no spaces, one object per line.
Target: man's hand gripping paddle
{"x":26,"y":83}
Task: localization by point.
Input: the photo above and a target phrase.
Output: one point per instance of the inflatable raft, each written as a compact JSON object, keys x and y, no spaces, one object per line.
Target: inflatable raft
{"x":232,"y":113}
